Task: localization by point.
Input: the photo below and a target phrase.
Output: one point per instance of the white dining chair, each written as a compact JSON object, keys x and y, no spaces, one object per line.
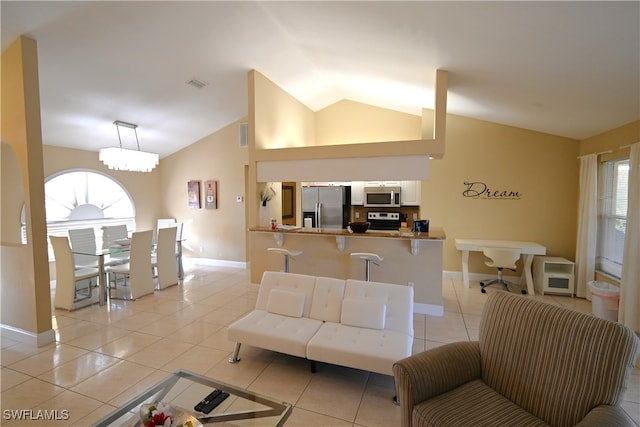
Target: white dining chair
{"x":69,"y":280}
{"x":164,"y":260}
{"x":84,"y":240}
{"x":137,"y":272}
{"x":111,"y":235}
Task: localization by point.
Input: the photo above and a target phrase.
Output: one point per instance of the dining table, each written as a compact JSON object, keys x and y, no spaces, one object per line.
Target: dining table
{"x":104,"y":256}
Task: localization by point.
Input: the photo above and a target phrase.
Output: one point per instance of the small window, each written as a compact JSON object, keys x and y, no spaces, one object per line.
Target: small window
{"x":612,"y":216}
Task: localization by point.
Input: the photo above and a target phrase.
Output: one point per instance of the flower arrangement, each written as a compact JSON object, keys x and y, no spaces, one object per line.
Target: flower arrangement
{"x":267,"y":194}
{"x":162,"y":415}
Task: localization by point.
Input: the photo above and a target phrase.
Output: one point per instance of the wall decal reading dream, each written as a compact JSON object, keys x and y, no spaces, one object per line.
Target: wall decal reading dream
{"x":480,"y":190}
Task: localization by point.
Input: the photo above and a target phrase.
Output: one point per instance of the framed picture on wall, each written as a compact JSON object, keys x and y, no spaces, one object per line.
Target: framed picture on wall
{"x":211,"y":194}
{"x":193,"y":189}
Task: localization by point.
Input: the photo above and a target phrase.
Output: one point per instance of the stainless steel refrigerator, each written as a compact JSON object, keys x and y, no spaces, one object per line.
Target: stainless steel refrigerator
{"x":328,"y":207}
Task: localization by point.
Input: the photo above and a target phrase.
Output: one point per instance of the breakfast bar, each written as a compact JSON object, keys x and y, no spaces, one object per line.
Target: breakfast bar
{"x":410,"y":259}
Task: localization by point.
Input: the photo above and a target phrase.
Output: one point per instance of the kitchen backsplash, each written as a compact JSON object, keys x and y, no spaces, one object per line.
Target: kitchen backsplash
{"x":409,"y":211}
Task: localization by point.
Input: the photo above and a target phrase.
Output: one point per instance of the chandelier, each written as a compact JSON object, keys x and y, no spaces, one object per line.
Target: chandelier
{"x":122,"y":159}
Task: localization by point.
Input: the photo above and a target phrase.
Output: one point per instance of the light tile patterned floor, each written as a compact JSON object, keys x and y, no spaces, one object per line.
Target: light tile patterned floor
{"x":103,"y":356}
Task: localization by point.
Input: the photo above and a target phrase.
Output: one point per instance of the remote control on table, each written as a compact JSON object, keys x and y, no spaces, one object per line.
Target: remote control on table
{"x":204,"y":402}
{"x":214,"y":402}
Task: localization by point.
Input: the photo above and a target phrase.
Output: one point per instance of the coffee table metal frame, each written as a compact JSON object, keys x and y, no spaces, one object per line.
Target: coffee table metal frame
{"x":160,"y":390}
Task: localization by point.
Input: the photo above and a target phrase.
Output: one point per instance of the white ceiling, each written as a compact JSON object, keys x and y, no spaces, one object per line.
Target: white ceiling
{"x":565,"y":68}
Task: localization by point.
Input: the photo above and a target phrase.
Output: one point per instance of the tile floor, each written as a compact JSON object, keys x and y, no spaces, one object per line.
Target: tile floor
{"x":103,"y":356}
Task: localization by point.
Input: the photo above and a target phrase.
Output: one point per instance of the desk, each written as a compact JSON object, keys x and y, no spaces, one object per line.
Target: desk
{"x":528,"y":249}
{"x":184,"y":389}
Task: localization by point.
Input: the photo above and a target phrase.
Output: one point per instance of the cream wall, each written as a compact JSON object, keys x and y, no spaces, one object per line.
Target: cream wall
{"x":144,"y":188}
{"x":349,"y":122}
{"x":542,"y":167}
{"x":24,"y":282}
{"x":210,"y":233}
{"x":278,"y":119}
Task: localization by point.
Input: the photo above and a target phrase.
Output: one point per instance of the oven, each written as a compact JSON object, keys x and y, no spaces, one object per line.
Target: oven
{"x":384,"y":220}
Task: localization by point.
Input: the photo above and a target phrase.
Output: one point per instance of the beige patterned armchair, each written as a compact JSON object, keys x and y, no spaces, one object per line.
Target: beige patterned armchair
{"x":535,"y":364}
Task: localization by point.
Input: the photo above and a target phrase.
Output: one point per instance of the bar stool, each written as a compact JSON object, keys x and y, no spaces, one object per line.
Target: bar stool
{"x":368,"y":259}
{"x":287,"y":255}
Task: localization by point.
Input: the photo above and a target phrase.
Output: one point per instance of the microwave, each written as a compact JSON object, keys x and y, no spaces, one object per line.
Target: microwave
{"x":381,"y":196}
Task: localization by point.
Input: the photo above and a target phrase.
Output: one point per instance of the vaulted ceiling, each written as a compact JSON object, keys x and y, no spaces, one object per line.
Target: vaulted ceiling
{"x":565,"y":68}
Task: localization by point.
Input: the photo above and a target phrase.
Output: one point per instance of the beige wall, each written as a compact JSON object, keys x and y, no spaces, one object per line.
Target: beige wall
{"x":210,"y":233}
{"x":24,"y":283}
{"x":542,"y":167}
{"x":279,"y":120}
{"x":144,"y":188}
{"x":349,"y":122}
{"x":613,"y":140}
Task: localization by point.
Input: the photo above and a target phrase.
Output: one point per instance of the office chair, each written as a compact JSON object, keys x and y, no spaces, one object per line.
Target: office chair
{"x":501,"y":258}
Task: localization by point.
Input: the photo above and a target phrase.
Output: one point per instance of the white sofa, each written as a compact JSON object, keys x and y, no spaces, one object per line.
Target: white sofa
{"x":363,"y":325}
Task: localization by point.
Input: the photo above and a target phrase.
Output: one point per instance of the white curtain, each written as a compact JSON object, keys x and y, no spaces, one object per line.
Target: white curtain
{"x":629,"y":313}
{"x":587,"y":224}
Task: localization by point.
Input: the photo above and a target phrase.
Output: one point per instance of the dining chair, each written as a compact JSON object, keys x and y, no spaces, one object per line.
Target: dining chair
{"x":164,"y":260}
{"x":500,"y":258}
{"x":111,"y":234}
{"x":69,"y":280}
{"x":84,"y":240}
{"x":138,"y":271}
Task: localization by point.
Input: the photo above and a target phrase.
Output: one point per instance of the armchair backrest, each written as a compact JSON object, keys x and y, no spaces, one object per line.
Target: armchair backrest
{"x":554,"y":362}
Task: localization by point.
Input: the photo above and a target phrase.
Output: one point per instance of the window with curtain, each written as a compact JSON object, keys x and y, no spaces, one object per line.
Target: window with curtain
{"x":612,"y":216}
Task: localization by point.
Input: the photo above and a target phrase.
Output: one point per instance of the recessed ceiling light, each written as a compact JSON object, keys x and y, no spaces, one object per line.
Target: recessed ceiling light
{"x":198,"y":84}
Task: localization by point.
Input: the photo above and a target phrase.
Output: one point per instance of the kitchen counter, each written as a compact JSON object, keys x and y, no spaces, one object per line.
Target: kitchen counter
{"x":435,"y":233}
{"x":410,"y":259}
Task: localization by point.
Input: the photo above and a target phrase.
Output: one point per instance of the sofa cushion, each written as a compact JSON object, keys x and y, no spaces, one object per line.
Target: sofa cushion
{"x":274,"y":332}
{"x":472,"y":404}
{"x":363,"y":313}
{"x":286,"y":303}
{"x":285,"y":281}
{"x":361,"y":348}
{"x":327,"y":299}
{"x":397,"y":298}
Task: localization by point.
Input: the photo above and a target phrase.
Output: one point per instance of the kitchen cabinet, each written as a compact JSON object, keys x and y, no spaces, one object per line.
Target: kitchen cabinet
{"x":357,"y":192}
{"x":326,"y":184}
{"x":382,"y":183}
{"x":410,"y":193}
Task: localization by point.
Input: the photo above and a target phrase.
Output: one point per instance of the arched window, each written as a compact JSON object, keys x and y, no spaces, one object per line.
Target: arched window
{"x":82,"y":199}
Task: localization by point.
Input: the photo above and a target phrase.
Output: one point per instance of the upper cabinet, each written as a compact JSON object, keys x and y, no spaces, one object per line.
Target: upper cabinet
{"x":357,"y":192}
{"x":382,"y":183}
{"x":410,"y":193}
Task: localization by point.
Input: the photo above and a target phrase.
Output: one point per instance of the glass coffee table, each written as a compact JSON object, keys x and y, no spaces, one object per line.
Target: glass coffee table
{"x":183,"y":390}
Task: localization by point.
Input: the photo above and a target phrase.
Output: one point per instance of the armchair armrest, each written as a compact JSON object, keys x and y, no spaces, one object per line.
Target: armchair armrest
{"x":433,"y":372}
{"x":605,"y":415}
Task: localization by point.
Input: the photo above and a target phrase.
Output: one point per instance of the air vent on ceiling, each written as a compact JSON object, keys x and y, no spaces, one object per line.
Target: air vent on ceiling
{"x":198,"y":84}
{"x":244,"y":134}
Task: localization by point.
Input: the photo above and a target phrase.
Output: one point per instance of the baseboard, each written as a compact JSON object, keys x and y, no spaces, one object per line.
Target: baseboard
{"x":457,"y":275}
{"x":28,"y":337}
{"x":430,"y":309}
{"x":216,"y":262}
